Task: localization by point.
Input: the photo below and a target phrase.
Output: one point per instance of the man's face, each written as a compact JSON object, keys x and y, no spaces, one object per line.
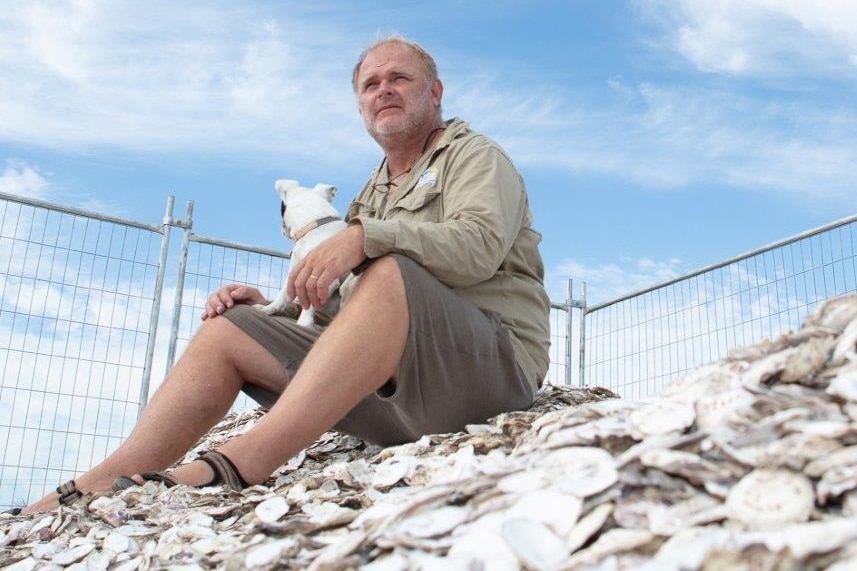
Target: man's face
{"x":392,"y":92}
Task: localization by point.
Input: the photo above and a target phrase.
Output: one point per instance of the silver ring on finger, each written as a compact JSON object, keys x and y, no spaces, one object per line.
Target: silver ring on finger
{"x":312,"y":277}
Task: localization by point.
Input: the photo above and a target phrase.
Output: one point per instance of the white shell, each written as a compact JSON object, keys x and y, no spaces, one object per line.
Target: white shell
{"x":847,"y":344}
{"x":691,"y":466}
{"x":835,"y":313}
{"x":267,"y":554}
{"x":72,"y":555}
{"x":613,"y":541}
{"x":660,"y":417}
{"x":587,"y":526}
{"x":392,"y":562}
{"x":765,"y":499}
{"x":328,"y":513}
{"x":556,"y":510}
{"x":334,"y":552}
{"x":392,"y":471}
{"x":841,"y":457}
{"x":484,"y":549}
{"x":698,"y":510}
{"x":27,"y":564}
{"x":523,"y":479}
{"x":272,"y":509}
{"x":715,"y":410}
{"x":580,"y":470}
{"x":844,"y":385}
{"x":117,"y":542}
{"x":534,"y":544}
{"x":849,"y":504}
{"x":433,"y":523}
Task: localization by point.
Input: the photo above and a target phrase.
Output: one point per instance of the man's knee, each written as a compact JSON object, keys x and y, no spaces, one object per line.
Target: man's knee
{"x":218,"y":337}
{"x":386,"y":265}
{"x":382,"y":270}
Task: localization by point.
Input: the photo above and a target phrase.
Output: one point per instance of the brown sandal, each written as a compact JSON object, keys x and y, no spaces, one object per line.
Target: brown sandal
{"x":68,"y":493}
{"x":225,"y":473}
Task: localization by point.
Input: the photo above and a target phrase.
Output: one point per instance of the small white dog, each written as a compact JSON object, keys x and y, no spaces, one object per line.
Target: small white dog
{"x":309,"y":218}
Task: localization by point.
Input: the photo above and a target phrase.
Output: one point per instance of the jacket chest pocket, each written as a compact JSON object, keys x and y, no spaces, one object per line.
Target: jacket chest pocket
{"x":420,"y":204}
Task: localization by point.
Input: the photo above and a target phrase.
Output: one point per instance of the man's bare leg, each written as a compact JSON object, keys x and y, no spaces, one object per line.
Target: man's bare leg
{"x":195,"y":395}
{"x":358,"y":353}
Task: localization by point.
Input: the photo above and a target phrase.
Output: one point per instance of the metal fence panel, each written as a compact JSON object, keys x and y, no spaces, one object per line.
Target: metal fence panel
{"x":80,"y":292}
{"x":559,"y":316}
{"x":638,"y":343}
{"x":212,"y":263}
{"x":76,"y":299}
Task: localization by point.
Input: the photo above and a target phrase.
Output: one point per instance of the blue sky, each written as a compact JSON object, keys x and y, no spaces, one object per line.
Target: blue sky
{"x":655,"y":136}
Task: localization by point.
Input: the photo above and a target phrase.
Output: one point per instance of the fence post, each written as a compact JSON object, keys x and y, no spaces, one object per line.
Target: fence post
{"x":569,"y":303}
{"x":187,"y":225}
{"x":156,"y":305}
{"x":582,"y":381}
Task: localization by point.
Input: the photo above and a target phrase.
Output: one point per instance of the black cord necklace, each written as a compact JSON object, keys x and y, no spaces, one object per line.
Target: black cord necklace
{"x":392,"y":182}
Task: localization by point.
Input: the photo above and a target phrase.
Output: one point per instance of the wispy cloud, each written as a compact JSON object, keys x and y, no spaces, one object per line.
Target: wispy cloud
{"x":609,"y":280}
{"x":24,"y":180}
{"x":767,"y":38}
{"x":87,"y":74}
{"x":251,"y":81}
{"x":679,"y":135}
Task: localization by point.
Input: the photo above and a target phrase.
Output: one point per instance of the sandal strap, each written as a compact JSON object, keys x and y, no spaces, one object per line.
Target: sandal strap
{"x":162,"y":477}
{"x":68,"y":493}
{"x":225,"y":471}
{"x":124,"y":482}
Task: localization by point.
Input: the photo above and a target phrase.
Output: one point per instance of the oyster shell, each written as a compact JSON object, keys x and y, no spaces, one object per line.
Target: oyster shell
{"x":750,"y":462}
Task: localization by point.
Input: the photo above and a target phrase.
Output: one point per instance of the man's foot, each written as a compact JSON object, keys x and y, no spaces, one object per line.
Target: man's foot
{"x":212,"y":469}
{"x":67,"y":493}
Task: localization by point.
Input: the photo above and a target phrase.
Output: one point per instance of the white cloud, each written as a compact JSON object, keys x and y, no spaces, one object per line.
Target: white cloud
{"x":674,"y":136}
{"x":24,"y":180}
{"x":760,"y":37}
{"x":606,"y":281}
{"x":88,"y":74}
{"x":239,"y":81}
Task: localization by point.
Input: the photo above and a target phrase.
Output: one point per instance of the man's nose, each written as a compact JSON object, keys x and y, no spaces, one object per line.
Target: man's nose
{"x":385,"y":87}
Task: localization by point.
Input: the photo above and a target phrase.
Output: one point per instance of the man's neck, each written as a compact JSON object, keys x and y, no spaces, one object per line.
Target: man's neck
{"x":403,"y":150}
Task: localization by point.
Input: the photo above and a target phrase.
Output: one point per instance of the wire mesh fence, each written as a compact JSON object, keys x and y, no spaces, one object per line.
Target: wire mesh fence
{"x":76,"y":299}
{"x":80,"y":297}
{"x":213,"y":263}
{"x":639,"y":342}
{"x":559,"y":316}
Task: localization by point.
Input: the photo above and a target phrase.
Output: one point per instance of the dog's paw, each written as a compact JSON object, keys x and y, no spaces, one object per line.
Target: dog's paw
{"x":306,"y":319}
{"x":270,"y":309}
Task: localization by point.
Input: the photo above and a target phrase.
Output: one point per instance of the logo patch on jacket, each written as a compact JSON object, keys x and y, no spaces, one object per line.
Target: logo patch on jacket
{"x":428,"y":178}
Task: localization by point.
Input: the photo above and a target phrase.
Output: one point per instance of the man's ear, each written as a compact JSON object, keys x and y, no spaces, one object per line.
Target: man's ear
{"x":437,"y":92}
{"x":327,"y":191}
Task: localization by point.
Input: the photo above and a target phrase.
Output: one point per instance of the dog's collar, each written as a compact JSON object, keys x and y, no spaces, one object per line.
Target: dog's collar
{"x":298,"y":234}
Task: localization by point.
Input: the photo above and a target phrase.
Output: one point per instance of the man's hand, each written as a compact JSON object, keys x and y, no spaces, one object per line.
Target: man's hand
{"x":310,"y":280}
{"x":227,"y":296}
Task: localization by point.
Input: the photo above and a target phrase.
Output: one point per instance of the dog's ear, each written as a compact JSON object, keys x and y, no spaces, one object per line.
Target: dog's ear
{"x":283,"y":185}
{"x":327,"y":191}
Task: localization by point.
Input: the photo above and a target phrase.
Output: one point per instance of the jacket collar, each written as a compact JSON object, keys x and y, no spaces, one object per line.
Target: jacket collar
{"x":455,"y":128}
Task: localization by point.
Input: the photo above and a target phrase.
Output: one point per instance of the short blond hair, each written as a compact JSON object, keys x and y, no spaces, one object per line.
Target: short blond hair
{"x":429,"y":65}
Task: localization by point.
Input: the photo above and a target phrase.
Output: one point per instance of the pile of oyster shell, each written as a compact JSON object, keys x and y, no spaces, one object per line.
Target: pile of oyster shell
{"x":747,"y":463}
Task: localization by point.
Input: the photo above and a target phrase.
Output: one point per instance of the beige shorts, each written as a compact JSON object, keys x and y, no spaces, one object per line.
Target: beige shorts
{"x":458,"y":366}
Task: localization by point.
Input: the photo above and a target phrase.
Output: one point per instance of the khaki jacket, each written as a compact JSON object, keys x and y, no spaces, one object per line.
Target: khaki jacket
{"x":462,"y":213}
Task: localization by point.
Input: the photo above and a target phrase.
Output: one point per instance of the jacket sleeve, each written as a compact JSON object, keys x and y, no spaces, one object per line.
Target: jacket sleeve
{"x":483,"y":207}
